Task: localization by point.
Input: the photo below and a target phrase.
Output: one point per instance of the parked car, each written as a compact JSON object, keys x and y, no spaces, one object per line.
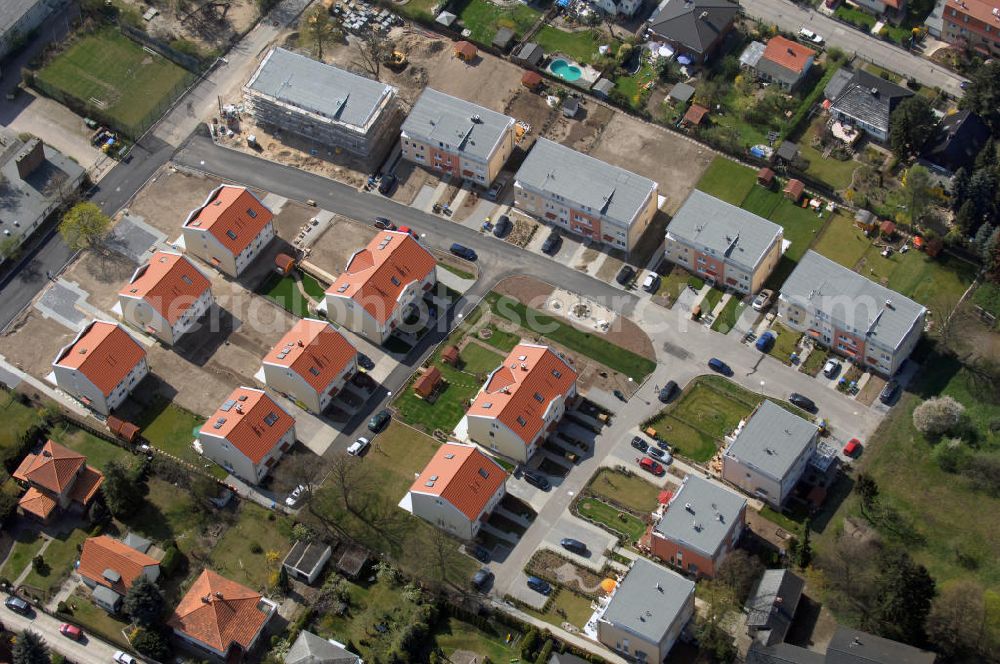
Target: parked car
{"x":766,"y":341}
{"x":889,"y":392}
{"x":651,"y":283}
{"x":625,"y":275}
{"x":462,"y":251}
{"x":651,"y":466}
{"x":18,"y":605}
{"x":124,"y":658}
{"x":663,"y":445}
{"x":539,"y":585}
{"x":852,"y":447}
{"x":660,"y":455}
{"x":552,"y":243}
{"x":495,"y":190}
{"x":619,"y":395}
{"x":409,"y":231}
{"x":386,"y":185}
{"x":384,"y":224}
{"x":537,"y":480}
{"x":667,"y":392}
{"x":576,"y":546}
{"x":810,"y":36}
{"x":717,"y":365}
{"x":365,"y":362}
{"x":71,"y":631}
{"x":296,"y":496}
{"x":358,"y":446}
{"x":802,"y":401}
{"x":831,"y":368}
{"x":482,"y":579}
{"x":379,"y":420}
{"x":503,"y":226}
{"x":481,"y":554}
{"x":763,"y":300}
{"x":640,"y":444}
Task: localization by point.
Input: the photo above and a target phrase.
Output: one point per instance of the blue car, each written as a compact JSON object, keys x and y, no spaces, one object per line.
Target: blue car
{"x":766,"y":341}
{"x":539,"y":585}
{"x":715,"y":364}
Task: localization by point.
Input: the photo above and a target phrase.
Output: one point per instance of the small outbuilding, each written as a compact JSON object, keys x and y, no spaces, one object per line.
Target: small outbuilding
{"x":887,"y":229}
{"x":284,"y":264}
{"x":445,"y":19}
{"x":428,"y":382}
{"x":570,"y":107}
{"x":528,"y":54}
{"x":122,"y":429}
{"x":765,"y":177}
{"x":503,"y":39}
{"x":466,"y":51}
{"x":865,"y":220}
{"x":532,"y":80}
{"x":695,"y":115}
{"x":451,"y":356}
{"x":603,"y":88}
{"x":681,"y":93}
{"x":786,"y":153}
{"x":306,"y":560}
{"x":794,"y":189}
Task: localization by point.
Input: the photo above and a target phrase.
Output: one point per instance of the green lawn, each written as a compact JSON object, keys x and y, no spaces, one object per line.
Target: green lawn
{"x":60,"y":556}
{"x":172,"y":429}
{"x":575,"y":608}
{"x":673,"y":284}
{"x":833,"y":172}
{"x":453,"y":634}
{"x":814,"y":363}
{"x":461,"y":274}
{"x":631,"y":87}
{"x":130,"y":83}
{"x":580,"y":46}
{"x":313,"y":287}
{"x":622,"y":522}
{"x":711,"y":299}
{"x":713,"y":411}
{"x":631,"y":491}
{"x":17,"y":416}
{"x":484,"y":18}
{"x":94,"y":620}
{"x":451,"y":403}
{"x":761,"y":201}
{"x":167,"y":514}
{"x":418,"y":9}
{"x":233,"y":557}
{"x":98,"y":451}
{"x":594,"y":346}
{"x":800,"y":227}
{"x":727,"y":180}
{"x":285,"y":293}
{"x":842,"y":242}
{"x":729,"y":315}
{"x":477,"y":359}
{"x":987,"y":296}
{"x":25,"y":547}
{"x":502,"y":340}
{"x":684,"y":439}
{"x":785,"y":344}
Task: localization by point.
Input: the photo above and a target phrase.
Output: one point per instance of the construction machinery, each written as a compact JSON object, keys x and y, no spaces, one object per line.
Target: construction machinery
{"x":396,"y":61}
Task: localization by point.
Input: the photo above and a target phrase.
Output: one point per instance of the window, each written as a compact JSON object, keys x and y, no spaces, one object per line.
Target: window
{"x":251,"y":213}
{"x":522,"y":421}
{"x":231,"y":234}
{"x":271,"y":418}
{"x":539,"y":398}
{"x":186,"y":279}
{"x":556,"y":373}
{"x":395,"y":281}
{"x":483,"y":473}
{"x":314,"y":371}
{"x":487,"y":405}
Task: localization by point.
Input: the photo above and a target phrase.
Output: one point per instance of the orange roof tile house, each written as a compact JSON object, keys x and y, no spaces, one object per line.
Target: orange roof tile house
{"x":221,"y":617}
{"x":248,"y":434}
{"x":521,"y":402}
{"x":457,"y":489}
{"x":785,"y":62}
{"x":165,"y":297}
{"x":380,"y":284}
{"x":428,"y":382}
{"x":109,"y":567}
{"x":57,"y":479}
{"x":311,"y":364}
{"x":229,"y":230}
{"x":101,"y":366}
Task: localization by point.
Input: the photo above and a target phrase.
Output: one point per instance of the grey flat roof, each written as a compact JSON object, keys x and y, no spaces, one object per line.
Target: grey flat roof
{"x":752,"y":54}
{"x":304,"y":556}
{"x":850,"y":646}
{"x":731,"y":232}
{"x":773,"y":603}
{"x":846,"y":296}
{"x":706,"y":524}
{"x":465,"y":127}
{"x":11,"y":12}
{"x":783,"y":653}
{"x":648,"y":600}
{"x":311,"y":649}
{"x":584,"y":180}
{"x":106,"y":595}
{"x":681,"y":92}
{"x":772,"y":439}
{"x":137,"y":542}
{"x":320,"y":88}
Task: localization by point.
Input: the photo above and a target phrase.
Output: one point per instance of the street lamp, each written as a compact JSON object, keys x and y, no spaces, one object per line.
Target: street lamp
{"x":762,"y":388}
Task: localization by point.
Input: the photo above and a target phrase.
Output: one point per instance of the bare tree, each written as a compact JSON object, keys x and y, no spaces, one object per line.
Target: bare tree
{"x":351,"y":481}
{"x":306,"y":469}
{"x":373,"y":51}
{"x":318,"y":29}
{"x":958,"y":624}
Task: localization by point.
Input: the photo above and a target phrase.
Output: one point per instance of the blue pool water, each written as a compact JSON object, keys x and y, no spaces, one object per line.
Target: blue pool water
{"x":565,"y":70}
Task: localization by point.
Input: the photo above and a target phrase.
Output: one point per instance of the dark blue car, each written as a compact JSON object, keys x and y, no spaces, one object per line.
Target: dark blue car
{"x":715,"y":364}
{"x":766,"y":341}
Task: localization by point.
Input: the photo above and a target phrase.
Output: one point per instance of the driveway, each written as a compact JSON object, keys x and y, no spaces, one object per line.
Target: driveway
{"x":90,"y":650}
{"x":597,"y":539}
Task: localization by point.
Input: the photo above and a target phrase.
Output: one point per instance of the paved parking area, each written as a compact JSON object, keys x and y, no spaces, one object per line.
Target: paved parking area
{"x":598,"y":541}
{"x":134,"y":238}
{"x":58,"y":302}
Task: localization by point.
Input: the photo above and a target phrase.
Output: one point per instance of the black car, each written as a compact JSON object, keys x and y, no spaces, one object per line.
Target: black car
{"x":802,"y":401}
{"x":552,"y":243}
{"x":365,"y":362}
{"x":386,"y":185}
{"x":576,"y":546}
{"x":463,"y":251}
{"x":482,"y":579}
{"x":503,"y":226}
{"x":481,"y":554}
{"x":539,"y":585}
{"x":384,"y":224}
{"x":379,"y":420}
{"x":668,"y":391}
{"x":663,"y":445}
{"x":640,"y":444}
{"x":18,"y":605}
{"x":625,"y":275}
{"x":537,"y":480}
{"x":889,"y":392}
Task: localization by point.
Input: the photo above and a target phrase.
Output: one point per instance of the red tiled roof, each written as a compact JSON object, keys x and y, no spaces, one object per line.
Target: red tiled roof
{"x":427,"y":381}
{"x":466,"y":49}
{"x":169,"y":282}
{"x":314,"y":350}
{"x":53,"y":468}
{"x":233,"y":215}
{"x":35,"y":502}
{"x":795,"y":187}
{"x":695,"y":114}
{"x":511,"y":392}
{"x":86,"y":485}
{"x":244,"y":418}
{"x":219,"y":612}
{"x":977,"y":9}
{"x":466,"y":478}
{"x":105,"y":553}
{"x":786,"y":53}
{"x":376,"y":275}
{"x":531,"y":79}
{"x":104,"y":353}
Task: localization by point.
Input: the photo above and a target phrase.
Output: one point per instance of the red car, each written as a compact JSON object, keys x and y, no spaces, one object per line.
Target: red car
{"x":408,"y":231}
{"x":71,"y":631}
{"x":651,"y":466}
{"x":852,"y":447}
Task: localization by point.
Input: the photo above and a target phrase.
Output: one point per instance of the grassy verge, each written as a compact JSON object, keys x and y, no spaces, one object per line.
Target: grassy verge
{"x":461,"y":274}
{"x":711,"y":299}
{"x":785,"y":344}
{"x":730,"y":313}
{"x":814,"y":363}
{"x":631,"y":491}
{"x":727,"y":180}
{"x":94,"y":620}
{"x":25,"y":547}
{"x":622,"y":522}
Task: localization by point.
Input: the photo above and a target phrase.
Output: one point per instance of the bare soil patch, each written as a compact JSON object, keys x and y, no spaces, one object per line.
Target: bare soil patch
{"x":584,"y":131}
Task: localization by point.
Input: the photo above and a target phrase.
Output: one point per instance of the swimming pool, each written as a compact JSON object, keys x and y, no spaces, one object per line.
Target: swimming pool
{"x":565,"y":70}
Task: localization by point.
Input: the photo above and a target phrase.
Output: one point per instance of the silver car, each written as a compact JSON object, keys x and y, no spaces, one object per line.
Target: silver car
{"x":358,"y":446}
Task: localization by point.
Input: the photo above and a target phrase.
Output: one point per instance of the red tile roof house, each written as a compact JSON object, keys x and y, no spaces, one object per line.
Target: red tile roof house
{"x":248,"y":434}
{"x":165,"y":297}
{"x":229,"y":230}
{"x":379,"y":284}
{"x":101,"y":366}
{"x":785,"y":62}
{"x":109,"y":567}
{"x":521,"y":402}
{"x":457,"y":489}
{"x":221,"y":617}
{"x":311,"y":364}
{"x":57,"y":479}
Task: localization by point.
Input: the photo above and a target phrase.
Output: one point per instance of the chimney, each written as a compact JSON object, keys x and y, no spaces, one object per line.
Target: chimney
{"x":46,"y":453}
{"x":239,"y":408}
{"x":30,"y":158}
{"x":524,"y":367}
{"x":218,"y":594}
{"x":301,"y":345}
{"x":207,"y":599}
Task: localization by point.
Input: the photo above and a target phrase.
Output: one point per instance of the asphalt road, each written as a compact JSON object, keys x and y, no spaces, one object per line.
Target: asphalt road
{"x":88,"y":650}
{"x":791,"y":17}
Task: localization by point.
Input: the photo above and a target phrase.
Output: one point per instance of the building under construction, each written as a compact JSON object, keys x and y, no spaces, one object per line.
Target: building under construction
{"x":321,"y":103}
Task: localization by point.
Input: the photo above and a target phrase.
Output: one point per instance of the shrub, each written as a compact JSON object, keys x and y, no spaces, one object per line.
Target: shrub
{"x":40,"y":566}
{"x":256,"y":548}
{"x":172,"y":561}
{"x":528,"y":643}
{"x":937,"y":416}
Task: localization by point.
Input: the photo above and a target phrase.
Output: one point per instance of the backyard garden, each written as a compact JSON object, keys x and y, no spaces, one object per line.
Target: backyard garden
{"x":618,"y":501}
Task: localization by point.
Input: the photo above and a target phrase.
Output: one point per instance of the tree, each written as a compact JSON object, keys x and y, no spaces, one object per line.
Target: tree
{"x":373,"y":51}
{"x":982,"y":96}
{"x":10,"y":247}
{"x":905,"y":593}
{"x":910,"y":125}
{"x":283,"y":584}
{"x":84,"y":226}
{"x":803,"y":552}
{"x":712,"y":636}
{"x":916,"y":193}
{"x":937,"y":416}
{"x":959,"y":188}
{"x":867,"y":489}
{"x":983,"y":237}
{"x":123,"y":489}
{"x":968,"y":218}
{"x":740,"y":571}
{"x":30,"y":648}
{"x":8,"y":505}
{"x":151,"y":642}
{"x":960,"y":624}
{"x":99,"y":514}
{"x":144,"y":602}
{"x":319,"y":29}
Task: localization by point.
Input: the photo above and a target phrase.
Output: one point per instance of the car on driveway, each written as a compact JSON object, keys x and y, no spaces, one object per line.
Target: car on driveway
{"x":763,"y":300}
{"x":462,"y":251}
{"x":358,"y":446}
{"x":503,"y":226}
{"x":296,"y":496}
{"x":481,"y":554}
{"x":663,"y":445}
{"x":667,"y":392}
{"x":810,"y":36}
{"x":495,"y":190}
{"x":18,"y":605}
{"x":660,"y":455}
{"x":552,"y":242}
{"x":802,"y":401}
{"x":386,"y":185}
{"x":574,"y":545}
{"x":765,"y":342}
{"x":539,"y":585}
{"x":831,"y":368}
{"x":365,"y":362}
{"x":537,"y":480}
{"x":625,"y":275}
{"x":651,"y":283}
{"x":717,"y":365}
{"x":651,"y":466}
{"x":71,"y":631}
{"x":482,"y":579}
{"x":640,"y":444}
{"x":888,"y":393}
{"x":379,"y":420}
{"x":852,"y":447}
{"x":124,"y":658}
{"x":384,"y":224}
